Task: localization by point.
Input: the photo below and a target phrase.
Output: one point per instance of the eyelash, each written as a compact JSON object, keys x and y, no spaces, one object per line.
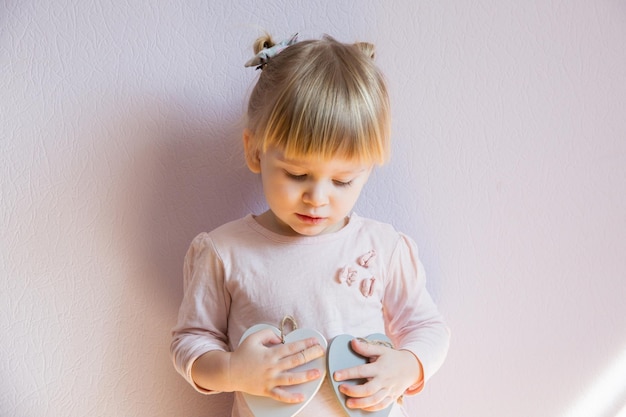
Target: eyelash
{"x":295,"y":177}
{"x":342,"y":183}
{"x":303,"y":177}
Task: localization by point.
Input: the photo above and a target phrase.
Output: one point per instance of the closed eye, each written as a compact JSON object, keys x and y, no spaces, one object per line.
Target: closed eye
{"x":342,"y":183}
{"x":295,"y":177}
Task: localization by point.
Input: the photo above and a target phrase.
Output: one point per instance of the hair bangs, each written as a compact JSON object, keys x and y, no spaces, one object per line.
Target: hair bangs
{"x":333,"y":103}
{"x":330,"y":117}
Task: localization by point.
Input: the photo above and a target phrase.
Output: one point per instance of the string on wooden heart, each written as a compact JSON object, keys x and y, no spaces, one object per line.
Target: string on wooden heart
{"x":376,"y":342}
{"x":294,"y":326}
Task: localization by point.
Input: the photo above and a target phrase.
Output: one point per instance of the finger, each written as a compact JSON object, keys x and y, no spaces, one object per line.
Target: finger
{"x":295,"y":378}
{"x":375,"y":402}
{"x":381,"y":405}
{"x":356,"y":372}
{"x":311,"y":353}
{"x":293,"y":348}
{"x":266,"y":337}
{"x":363,"y":348}
{"x":302,"y":357}
{"x":360,"y":390}
{"x":368,"y":350}
{"x":298,"y":345}
{"x":282,"y":395}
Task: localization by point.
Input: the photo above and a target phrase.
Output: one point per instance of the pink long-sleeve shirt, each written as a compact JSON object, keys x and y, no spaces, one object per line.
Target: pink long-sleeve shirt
{"x":365,"y":278}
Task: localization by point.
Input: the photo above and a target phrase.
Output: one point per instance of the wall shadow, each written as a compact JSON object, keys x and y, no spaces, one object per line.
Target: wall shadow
{"x":186,"y":175}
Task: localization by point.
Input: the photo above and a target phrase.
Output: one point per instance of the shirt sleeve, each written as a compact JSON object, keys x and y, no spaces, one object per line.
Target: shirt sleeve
{"x":203,"y":315}
{"x":411,"y":316}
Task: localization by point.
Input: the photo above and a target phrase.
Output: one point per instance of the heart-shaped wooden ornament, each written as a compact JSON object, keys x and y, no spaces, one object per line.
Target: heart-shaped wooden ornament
{"x":342,"y":356}
{"x":268,"y":407}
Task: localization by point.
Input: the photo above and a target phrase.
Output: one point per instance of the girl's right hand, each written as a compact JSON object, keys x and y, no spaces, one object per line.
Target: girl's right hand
{"x":261,"y":365}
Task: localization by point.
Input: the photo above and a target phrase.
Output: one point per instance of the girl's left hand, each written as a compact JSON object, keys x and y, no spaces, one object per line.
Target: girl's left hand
{"x":389,"y":373}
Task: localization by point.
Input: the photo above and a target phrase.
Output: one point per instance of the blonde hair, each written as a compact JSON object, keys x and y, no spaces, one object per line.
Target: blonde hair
{"x":324,"y":98}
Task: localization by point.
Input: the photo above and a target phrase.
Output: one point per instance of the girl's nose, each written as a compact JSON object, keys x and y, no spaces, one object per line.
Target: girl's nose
{"x":316,"y":195}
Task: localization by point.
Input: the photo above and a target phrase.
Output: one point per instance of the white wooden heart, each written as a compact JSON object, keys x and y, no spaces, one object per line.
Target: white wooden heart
{"x":268,"y":407}
{"x":341,"y":356}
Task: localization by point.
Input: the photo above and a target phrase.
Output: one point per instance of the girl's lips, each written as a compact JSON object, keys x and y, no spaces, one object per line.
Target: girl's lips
{"x":310,"y":219}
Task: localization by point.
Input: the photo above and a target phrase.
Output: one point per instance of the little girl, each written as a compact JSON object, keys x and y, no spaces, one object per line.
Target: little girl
{"x":318,"y":121}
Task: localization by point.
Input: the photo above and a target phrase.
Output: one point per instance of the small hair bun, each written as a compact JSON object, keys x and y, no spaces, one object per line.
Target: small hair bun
{"x":263,"y":42}
{"x":367,"y":48}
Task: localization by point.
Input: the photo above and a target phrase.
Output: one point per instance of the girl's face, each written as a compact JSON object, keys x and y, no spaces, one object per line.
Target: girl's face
{"x":307,"y":196}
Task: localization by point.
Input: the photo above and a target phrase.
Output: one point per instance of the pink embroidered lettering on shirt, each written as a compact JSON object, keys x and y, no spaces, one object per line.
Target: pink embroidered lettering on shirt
{"x":367,"y":286}
{"x":347,"y":275}
{"x":367,"y":259}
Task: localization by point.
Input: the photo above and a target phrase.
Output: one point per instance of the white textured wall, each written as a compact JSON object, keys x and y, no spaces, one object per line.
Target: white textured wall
{"x":119,"y":141}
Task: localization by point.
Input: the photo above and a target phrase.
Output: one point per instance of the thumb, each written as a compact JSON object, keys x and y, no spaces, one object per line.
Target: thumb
{"x":366,"y":348}
{"x":265,"y":337}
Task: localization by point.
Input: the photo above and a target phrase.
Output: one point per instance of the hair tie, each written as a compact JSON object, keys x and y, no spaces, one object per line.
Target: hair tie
{"x":262,"y":58}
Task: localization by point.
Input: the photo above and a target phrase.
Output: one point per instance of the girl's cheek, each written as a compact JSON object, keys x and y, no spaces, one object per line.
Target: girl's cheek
{"x":289,"y":189}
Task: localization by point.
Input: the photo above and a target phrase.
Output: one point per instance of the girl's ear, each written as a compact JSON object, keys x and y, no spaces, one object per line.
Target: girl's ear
{"x":251,"y":152}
